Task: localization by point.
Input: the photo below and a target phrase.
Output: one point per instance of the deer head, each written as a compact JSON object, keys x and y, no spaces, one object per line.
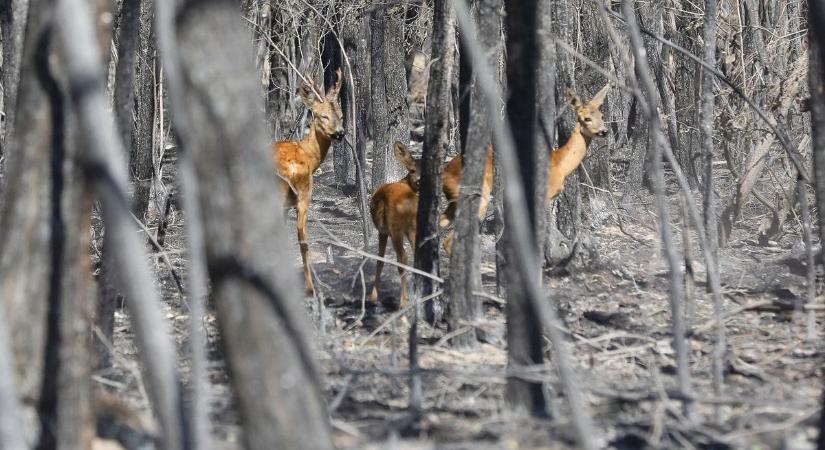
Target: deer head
{"x":327,"y":116}
{"x":403,"y":155}
{"x":589,"y":114}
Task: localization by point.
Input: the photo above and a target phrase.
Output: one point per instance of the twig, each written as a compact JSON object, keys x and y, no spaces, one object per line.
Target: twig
{"x":381,"y":258}
{"x":783,"y":138}
{"x":710,"y":323}
{"x":162,"y":253}
{"x":398,"y":314}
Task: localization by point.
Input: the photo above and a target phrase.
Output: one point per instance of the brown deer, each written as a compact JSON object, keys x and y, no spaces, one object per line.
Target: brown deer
{"x":564,"y":160}
{"x":296,"y":161}
{"x":393,"y":208}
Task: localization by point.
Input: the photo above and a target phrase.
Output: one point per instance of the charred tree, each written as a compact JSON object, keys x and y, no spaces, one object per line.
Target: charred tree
{"x":13,"y":17}
{"x":706,"y":129}
{"x":524,"y":332}
{"x":343,"y":151}
{"x":263,"y":328}
{"x":140,"y":153}
{"x":465,"y":274}
{"x":25,"y":254}
{"x":436,"y":140}
{"x":544,"y":128}
{"x":127,"y":44}
{"x":816,"y":79}
{"x":564,"y":233}
{"x":390,"y":111}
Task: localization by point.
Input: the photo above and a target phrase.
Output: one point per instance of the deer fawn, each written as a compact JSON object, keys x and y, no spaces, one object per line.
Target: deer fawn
{"x":296,"y":161}
{"x":393,"y":208}
{"x":564,"y":160}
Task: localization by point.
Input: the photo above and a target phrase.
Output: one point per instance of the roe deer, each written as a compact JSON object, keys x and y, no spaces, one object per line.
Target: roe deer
{"x":296,"y":161}
{"x":564,"y":160}
{"x":393,"y":208}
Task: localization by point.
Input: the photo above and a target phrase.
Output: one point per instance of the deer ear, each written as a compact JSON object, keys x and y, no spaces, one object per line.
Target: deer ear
{"x":403,"y":155}
{"x":598,"y":99}
{"x":572,"y":98}
{"x":336,"y":88}
{"x":307,"y":95}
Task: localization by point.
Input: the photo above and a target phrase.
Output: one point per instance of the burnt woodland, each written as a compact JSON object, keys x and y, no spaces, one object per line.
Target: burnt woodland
{"x":412,"y":224}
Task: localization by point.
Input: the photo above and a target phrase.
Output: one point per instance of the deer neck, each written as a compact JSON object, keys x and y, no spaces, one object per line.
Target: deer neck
{"x":568,"y":157}
{"x":316,"y":145}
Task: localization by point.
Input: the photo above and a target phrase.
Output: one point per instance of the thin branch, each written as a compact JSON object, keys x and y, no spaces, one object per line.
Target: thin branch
{"x":794,"y":155}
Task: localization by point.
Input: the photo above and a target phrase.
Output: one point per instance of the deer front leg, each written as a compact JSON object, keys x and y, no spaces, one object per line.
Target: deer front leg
{"x":303,"y":243}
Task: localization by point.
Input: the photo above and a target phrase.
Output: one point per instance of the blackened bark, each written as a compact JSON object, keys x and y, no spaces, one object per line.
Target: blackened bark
{"x":361,"y":71}
{"x":127,"y":40}
{"x":706,"y":129}
{"x":816,"y":79}
{"x":524,"y":333}
{"x":13,"y":17}
{"x":563,"y":225}
{"x":75,"y":421}
{"x":544,"y":130}
{"x":390,"y":113}
{"x":140,"y":153}
{"x":462,"y":100}
{"x":25,"y":253}
{"x":436,"y":140}
{"x":465,"y":274}
{"x":342,"y":153}
{"x":395,"y":82}
{"x":262,"y":324}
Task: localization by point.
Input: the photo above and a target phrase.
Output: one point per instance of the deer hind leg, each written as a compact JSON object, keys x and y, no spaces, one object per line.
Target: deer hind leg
{"x":379,"y":265}
{"x":303,"y":243}
{"x":555,"y":188}
{"x":398,"y":245}
{"x":448,"y":243}
{"x":449,"y":214}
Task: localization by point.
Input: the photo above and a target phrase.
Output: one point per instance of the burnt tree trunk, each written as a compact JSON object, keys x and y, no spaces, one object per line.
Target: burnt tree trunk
{"x":264,"y":329}
{"x":343,"y":162}
{"x":564,"y":225}
{"x":436,"y":141}
{"x":13,"y":17}
{"x":544,"y":129}
{"x":140,"y":153}
{"x":524,"y":332}
{"x":816,"y":79}
{"x":127,"y":44}
{"x":465,"y":273}
{"x":25,"y":255}
{"x":706,"y":129}
{"x":390,"y":112}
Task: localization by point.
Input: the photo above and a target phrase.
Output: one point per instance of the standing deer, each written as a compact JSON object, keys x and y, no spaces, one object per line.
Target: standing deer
{"x":296,"y":161}
{"x":563,"y":160}
{"x":393,"y":208}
